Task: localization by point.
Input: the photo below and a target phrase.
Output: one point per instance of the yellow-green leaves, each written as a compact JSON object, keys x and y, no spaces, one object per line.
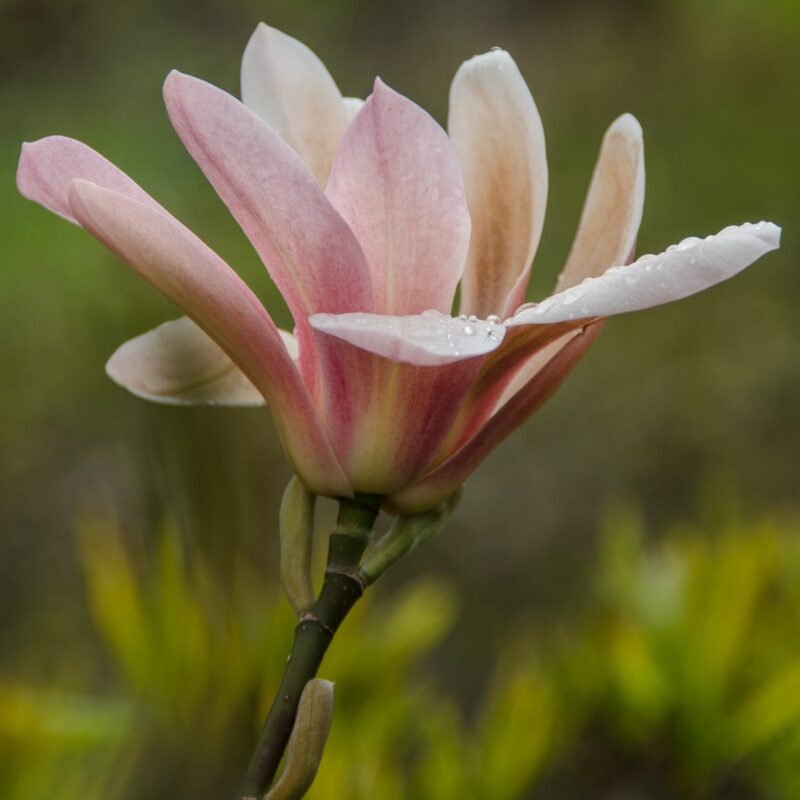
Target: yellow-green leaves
{"x":297,"y":535}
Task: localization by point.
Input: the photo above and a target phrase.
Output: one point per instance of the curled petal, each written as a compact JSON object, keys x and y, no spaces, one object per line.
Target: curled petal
{"x":682,"y":270}
{"x":178,"y":363}
{"x":498,"y":135}
{"x":48,"y":166}
{"x":444,"y":479}
{"x":174,"y":260}
{"x":287,"y":85}
{"x":397,"y":183}
{"x":427,"y":339}
{"x":613,"y":209}
{"x":307,"y":247}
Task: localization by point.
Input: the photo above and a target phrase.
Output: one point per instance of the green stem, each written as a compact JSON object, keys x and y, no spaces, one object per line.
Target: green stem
{"x":341,"y":589}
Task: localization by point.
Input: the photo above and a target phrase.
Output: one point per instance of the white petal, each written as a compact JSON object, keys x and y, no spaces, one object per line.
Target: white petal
{"x":682,"y":270}
{"x":427,"y":339}
{"x":498,"y":135}
{"x":179,"y":364}
{"x":613,"y":209}
{"x":292,"y":345}
{"x":288,"y":86}
{"x":352,"y":106}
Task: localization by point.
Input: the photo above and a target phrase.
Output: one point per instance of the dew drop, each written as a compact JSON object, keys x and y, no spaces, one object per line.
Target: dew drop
{"x":571,"y":297}
{"x":688,"y":243}
{"x":469,"y":330}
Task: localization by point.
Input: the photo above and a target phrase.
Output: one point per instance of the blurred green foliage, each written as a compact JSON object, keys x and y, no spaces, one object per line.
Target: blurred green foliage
{"x":681,"y":678}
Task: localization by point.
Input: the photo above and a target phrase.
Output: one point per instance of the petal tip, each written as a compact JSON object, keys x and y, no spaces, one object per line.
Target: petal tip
{"x":626,"y":124}
{"x":495,"y":57}
{"x":380,"y":87}
{"x":174,"y":81}
{"x":264,"y":37}
{"x":769,"y":233}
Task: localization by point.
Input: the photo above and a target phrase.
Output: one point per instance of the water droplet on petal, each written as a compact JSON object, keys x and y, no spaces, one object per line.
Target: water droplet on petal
{"x":572,"y":296}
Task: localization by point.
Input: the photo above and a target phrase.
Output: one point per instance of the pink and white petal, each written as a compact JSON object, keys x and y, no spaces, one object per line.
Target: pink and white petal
{"x":533,"y":364}
{"x":498,"y":135}
{"x":612,"y":212}
{"x":178,"y":363}
{"x":352,"y":106}
{"x":444,"y":479}
{"x":288,"y":86}
{"x":310,"y":252}
{"x":427,"y":339}
{"x":387,"y":418}
{"x":48,"y":166}
{"x":175,"y":261}
{"x":498,"y":371}
{"x":682,"y":270}
{"x":607,"y":231}
{"x":397,"y":183}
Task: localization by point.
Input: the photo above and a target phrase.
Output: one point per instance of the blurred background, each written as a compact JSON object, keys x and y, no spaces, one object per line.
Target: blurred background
{"x":614,"y":611}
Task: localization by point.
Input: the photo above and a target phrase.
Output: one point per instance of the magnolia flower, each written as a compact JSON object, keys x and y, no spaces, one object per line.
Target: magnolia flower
{"x":367,"y":216}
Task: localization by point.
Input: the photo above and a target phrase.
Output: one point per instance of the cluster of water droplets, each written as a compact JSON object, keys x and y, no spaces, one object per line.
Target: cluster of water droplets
{"x":574,"y":298}
{"x":459,"y":336}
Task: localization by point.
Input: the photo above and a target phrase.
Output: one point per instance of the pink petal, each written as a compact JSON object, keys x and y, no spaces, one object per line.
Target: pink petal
{"x":497,"y":132}
{"x":308,"y":249}
{"x":444,"y":479}
{"x":286,"y":85}
{"x":178,"y":363}
{"x":386,"y":420}
{"x":499,"y":370}
{"x":427,"y":339}
{"x":607,"y":230}
{"x":613,"y":209}
{"x":397,"y":183}
{"x":176,"y":262}
{"x":48,"y":166}
{"x":682,"y":270}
